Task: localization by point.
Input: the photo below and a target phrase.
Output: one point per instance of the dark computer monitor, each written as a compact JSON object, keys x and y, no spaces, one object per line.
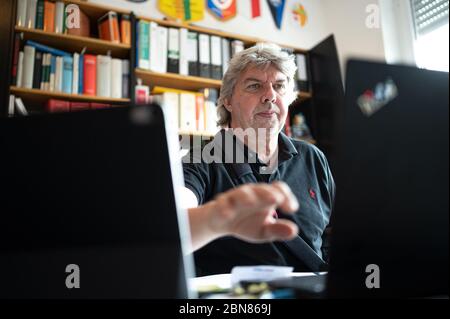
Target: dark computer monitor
{"x":389,"y":236}
{"x":392,"y":203}
{"x":94,"y":189}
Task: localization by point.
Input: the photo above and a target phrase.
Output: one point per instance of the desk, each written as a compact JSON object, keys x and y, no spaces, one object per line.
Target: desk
{"x":219,"y":286}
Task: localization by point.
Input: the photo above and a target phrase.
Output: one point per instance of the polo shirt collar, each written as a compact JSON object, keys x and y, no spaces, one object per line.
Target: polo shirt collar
{"x":286,"y":150}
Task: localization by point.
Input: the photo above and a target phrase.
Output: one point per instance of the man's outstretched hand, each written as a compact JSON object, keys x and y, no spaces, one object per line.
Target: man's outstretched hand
{"x":246,"y":212}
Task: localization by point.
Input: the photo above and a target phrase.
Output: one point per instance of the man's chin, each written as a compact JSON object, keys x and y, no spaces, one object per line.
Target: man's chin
{"x":272,"y":127}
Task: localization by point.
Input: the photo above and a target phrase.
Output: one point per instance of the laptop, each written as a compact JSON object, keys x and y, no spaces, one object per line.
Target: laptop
{"x":89,"y":209}
{"x":390,"y":222}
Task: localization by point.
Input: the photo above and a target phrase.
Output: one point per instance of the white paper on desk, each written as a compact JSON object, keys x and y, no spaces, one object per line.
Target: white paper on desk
{"x":259,"y":273}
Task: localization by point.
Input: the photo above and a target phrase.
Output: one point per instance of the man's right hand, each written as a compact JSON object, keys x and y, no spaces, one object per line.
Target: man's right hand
{"x":246,"y":212}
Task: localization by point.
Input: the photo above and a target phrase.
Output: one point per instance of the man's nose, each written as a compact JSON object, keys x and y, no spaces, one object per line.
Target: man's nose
{"x":269,"y":94}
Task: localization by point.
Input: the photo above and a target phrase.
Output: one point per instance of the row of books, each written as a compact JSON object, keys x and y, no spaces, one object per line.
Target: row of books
{"x":56,"y":17}
{"x":178,"y":50}
{"x":45,"y":68}
{"x":17,"y":106}
{"x":188,"y":111}
{"x":55,"y":106}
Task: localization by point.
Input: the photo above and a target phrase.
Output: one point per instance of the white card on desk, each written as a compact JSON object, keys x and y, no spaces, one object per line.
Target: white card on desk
{"x":259,"y":273}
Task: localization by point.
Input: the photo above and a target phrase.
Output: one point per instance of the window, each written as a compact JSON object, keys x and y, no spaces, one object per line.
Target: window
{"x":431,"y":33}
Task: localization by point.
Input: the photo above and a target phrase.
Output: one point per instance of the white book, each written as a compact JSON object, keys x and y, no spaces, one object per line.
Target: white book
{"x":153,"y":46}
{"x":103,"y":76}
{"x":216,"y":57}
{"x":75,"y":73}
{"x":21,"y":16}
{"x":184,"y":66}
{"x":59,"y":17}
{"x":28,"y":66}
{"x":58,"y":74}
{"x":302,"y":73}
{"x":116,"y":78}
{"x":236,"y":47}
{"x":216,"y":50}
{"x":225,"y":55}
{"x":187,"y":111}
{"x":192,"y":53}
{"x":126,"y":78}
{"x":171,"y":104}
{"x":212,"y":117}
{"x":204,"y":55}
{"x":162,"y":46}
{"x":173,"y":51}
{"x":204,"y":52}
{"x":31,"y":14}
{"x":11,"y":105}
{"x":21,"y":107}
{"x":19,"y":70}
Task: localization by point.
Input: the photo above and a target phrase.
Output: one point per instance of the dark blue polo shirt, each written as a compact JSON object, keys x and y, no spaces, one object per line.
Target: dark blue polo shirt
{"x":301,"y":165}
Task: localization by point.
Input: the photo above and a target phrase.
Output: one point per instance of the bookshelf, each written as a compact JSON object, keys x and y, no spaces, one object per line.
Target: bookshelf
{"x":317,"y":103}
{"x":193,"y":82}
{"x":70,"y":43}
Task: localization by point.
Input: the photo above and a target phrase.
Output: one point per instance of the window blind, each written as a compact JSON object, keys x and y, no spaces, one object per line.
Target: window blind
{"x":429,"y":15}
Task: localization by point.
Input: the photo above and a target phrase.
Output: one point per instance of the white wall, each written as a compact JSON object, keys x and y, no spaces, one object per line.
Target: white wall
{"x":346,"y":19}
{"x":291,"y":33}
{"x":398,"y":31}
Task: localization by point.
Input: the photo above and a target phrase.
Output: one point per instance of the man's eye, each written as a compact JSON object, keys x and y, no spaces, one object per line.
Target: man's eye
{"x":254,"y":86}
{"x":280,"y":86}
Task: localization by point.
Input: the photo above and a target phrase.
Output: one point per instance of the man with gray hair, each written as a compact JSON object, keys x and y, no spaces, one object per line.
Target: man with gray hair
{"x":264,"y":198}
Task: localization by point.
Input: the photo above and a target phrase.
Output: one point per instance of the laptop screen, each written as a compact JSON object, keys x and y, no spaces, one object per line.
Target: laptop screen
{"x":390,"y":224}
{"x":88,"y":199}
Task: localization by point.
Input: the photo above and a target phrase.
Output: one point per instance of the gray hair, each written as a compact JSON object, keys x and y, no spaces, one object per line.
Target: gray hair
{"x":261,"y":55}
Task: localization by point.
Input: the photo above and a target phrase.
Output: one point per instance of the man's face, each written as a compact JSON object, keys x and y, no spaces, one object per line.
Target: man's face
{"x":259,"y":99}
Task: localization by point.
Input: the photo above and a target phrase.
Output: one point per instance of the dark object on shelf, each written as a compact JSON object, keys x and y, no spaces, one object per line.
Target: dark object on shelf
{"x":299,"y":128}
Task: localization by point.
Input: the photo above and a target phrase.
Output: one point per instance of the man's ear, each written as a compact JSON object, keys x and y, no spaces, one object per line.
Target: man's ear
{"x":228,"y":105}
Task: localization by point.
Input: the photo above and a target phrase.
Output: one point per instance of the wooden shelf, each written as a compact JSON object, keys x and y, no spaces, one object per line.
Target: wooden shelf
{"x":176,"y":81}
{"x":40,"y":96}
{"x":73,"y":43}
{"x":182,"y":82}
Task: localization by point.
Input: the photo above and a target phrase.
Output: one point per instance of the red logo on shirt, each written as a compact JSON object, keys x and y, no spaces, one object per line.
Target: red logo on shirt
{"x":312,"y":193}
